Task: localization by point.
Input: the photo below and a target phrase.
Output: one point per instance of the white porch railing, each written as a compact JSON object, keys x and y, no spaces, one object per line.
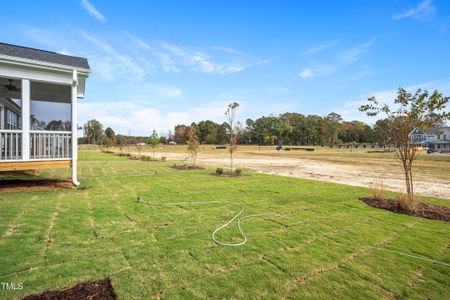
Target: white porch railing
{"x":44,"y":145}
{"x":10,"y":144}
{"x":49,"y":145}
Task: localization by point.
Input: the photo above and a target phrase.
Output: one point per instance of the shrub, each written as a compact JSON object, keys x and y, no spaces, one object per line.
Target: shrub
{"x":163,"y":158}
{"x":238,"y":171}
{"x":405,"y":202}
{"x":378,"y":192}
{"x":146,"y":158}
{"x":219,"y":171}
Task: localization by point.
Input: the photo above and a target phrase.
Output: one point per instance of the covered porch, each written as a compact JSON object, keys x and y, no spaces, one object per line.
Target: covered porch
{"x":38,"y":109}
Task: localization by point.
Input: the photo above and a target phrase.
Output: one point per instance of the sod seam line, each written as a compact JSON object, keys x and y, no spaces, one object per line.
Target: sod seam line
{"x":250,"y":216}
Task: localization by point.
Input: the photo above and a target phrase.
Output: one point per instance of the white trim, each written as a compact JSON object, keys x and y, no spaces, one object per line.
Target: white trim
{"x":25,"y":119}
{"x":74,"y":127}
{"x":2,"y":117}
{"x":42,"y":64}
{"x":51,"y":132}
{"x":33,"y":160}
{"x":11,"y":70}
{"x":10,"y":131}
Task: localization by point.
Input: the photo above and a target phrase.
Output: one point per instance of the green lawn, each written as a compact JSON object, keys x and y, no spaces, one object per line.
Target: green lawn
{"x":54,"y":239}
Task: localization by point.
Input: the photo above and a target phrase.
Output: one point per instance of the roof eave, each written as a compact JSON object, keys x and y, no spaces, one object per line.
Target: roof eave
{"x":43,"y":64}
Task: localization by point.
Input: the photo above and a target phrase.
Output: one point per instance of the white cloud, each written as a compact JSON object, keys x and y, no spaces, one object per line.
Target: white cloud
{"x":306,"y":73}
{"x":141,"y":119}
{"x":202,"y":62}
{"x":319,"y":48}
{"x":139,"y":42}
{"x":423,"y":11}
{"x":93,"y":11}
{"x":342,"y":59}
{"x":44,"y":37}
{"x":354,"y":54}
{"x":225,"y":49}
{"x":109,"y":66}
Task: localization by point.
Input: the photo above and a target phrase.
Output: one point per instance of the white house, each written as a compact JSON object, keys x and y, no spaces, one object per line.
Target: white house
{"x":437,"y":139}
{"x":39,"y":91}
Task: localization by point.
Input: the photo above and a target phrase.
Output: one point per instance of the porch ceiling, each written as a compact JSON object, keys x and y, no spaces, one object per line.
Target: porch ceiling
{"x":40,"y":91}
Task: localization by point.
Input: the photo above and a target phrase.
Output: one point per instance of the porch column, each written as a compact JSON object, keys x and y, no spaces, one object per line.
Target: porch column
{"x":74,"y":127}
{"x":25,"y":119}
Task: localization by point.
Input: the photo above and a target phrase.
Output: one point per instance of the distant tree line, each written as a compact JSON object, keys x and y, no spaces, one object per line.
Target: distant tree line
{"x":95,"y":134}
{"x":287,"y":129}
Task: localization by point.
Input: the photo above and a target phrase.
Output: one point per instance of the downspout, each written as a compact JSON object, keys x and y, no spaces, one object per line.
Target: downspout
{"x":74,"y":127}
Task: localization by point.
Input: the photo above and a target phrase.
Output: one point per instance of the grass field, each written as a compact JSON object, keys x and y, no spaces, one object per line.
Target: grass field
{"x":357,"y":168}
{"x":314,"y":241}
{"x":436,"y":165}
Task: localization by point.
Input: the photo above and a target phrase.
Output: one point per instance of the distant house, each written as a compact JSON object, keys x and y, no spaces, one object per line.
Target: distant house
{"x":437,"y":139}
{"x":39,"y":92}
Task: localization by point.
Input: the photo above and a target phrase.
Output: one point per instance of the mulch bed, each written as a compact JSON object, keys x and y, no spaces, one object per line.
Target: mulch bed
{"x":93,"y":290}
{"x":228,"y":174}
{"x":187,"y":167}
{"x":421,"y":209}
{"x":18,"y":185}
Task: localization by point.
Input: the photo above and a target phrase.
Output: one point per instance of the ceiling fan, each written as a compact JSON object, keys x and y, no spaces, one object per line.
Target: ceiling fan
{"x":10,"y":87}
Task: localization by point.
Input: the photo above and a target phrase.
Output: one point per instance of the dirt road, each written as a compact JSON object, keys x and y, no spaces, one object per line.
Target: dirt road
{"x":351,"y":174}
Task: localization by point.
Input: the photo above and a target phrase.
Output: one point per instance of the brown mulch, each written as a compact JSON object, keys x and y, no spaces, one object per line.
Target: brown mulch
{"x":187,"y":167}
{"x":18,"y":185}
{"x":228,"y":174}
{"x":421,"y":209}
{"x":93,"y":290}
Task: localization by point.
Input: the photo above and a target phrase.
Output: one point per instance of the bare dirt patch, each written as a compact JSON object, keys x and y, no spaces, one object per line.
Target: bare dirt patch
{"x":319,"y":168}
{"x":18,"y":185}
{"x":421,"y":209}
{"x":92,"y":290}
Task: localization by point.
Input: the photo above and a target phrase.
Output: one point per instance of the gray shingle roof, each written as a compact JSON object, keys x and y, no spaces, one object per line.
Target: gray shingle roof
{"x":436,"y":130}
{"x":43,"y":56}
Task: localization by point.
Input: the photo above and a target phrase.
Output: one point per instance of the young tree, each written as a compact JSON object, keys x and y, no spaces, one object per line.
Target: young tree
{"x":414,"y":111}
{"x":154,"y":141}
{"x":231,"y":115}
{"x":192,"y":143}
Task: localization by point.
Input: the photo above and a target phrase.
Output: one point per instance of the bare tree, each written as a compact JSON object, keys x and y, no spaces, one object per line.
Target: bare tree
{"x":418,"y":111}
{"x":192,"y":143}
{"x":139,"y":148}
{"x":231,"y":115}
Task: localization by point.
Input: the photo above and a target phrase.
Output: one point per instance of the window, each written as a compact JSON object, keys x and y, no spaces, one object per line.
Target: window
{"x":445,"y":137}
{"x":439,"y":137}
{"x":12,"y":120}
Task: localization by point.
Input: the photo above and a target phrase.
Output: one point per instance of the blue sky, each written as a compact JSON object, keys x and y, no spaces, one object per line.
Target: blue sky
{"x":159,"y":63}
